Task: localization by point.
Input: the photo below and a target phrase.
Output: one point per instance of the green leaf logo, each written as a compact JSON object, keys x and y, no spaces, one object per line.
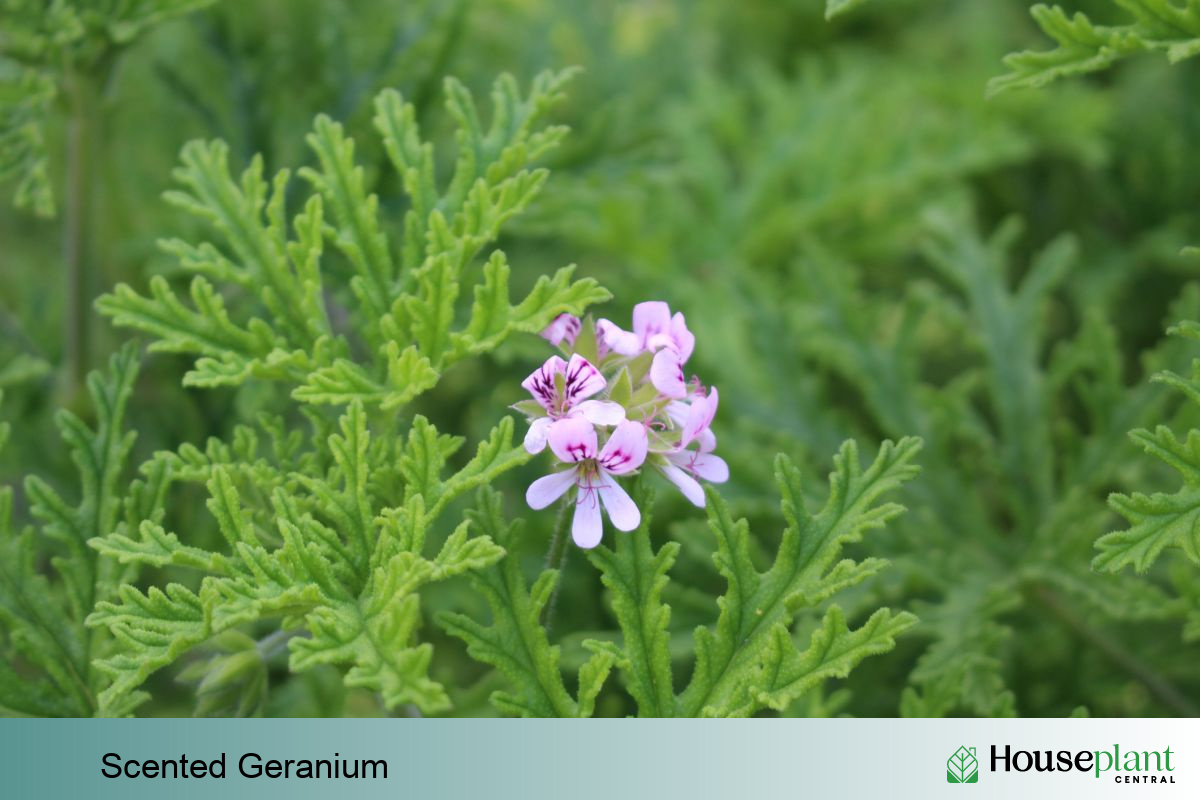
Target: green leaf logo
{"x":962,"y":767}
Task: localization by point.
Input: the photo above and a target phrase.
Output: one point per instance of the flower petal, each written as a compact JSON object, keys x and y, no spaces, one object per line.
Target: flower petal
{"x":540,"y":383}
{"x":601,"y":412}
{"x":547,"y":489}
{"x":582,"y":381}
{"x":625,"y":449}
{"x":572,"y":439}
{"x":622,"y":511}
{"x":565,"y":327}
{"x":617,"y":340}
{"x":700,"y":416}
{"x":587,"y":528}
{"x":686,"y":483}
{"x":685,"y":341}
{"x":651,"y":319}
{"x":710,"y":467}
{"x":678,"y":411}
{"x":666,"y":373}
{"x":702,"y":464}
{"x":535,"y":437}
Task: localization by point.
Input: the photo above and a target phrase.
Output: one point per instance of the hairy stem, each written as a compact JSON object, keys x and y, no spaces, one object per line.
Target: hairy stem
{"x":1166,"y":692}
{"x":556,"y":558}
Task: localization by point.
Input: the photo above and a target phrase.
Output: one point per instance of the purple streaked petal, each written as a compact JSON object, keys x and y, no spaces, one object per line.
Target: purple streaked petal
{"x":601,"y":412}
{"x":650,"y":319}
{"x":708,"y":466}
{"x":707,"y":441}
{"x":686,"y":484}
{"x":625,"y":449}
{"x":666,"y":373}
{"x":587,"y":527}
{"x":700,"y":416}
{"x":572,"y":439}
{"x":565,"y":327}
{"x":622,"y":511}
{"x":535,"y":437}
{"x":547,"y":489}
{"x":540,"y":383}
{"x":582,"y":381}
{"x":617,"y":340}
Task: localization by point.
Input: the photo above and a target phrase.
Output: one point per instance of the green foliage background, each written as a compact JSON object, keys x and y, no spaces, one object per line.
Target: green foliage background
{"x":952,"y":225}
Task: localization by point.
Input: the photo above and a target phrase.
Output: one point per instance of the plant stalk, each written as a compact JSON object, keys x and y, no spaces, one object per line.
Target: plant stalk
{"x":83,"y":99}
{"x":556,"y":558}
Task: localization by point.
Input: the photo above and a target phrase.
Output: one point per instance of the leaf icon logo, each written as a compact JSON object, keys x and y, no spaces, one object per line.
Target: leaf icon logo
{"x":962,"y":767}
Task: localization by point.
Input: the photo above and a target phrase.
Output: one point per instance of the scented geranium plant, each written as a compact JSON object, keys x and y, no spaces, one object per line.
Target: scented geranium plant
{"x":335,"y":516}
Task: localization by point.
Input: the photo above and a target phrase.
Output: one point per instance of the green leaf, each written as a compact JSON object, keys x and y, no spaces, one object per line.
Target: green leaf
{"x":22,"y":368}
{"x":358,"y":234}
{"x":493,"y":319}
{"x":26,"y":98}
{"x":835,"y":8}
{"x":1084,"y":47}
{"x":263,"y":298}
{"x":635,"y":576}
{"x":315,"y":553}
{"x":44,"y":619}
{"x":961,"y":669}
{"x":1159,"y":521}
{"x":158,"y":548}
{"x":515,"y":642}
{"x":154,"y":628}
{"x":744,"y":646}
{"x":834,"y":650}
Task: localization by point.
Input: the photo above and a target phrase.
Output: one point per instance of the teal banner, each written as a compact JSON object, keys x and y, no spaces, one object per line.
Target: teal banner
{"x":502,"y":759}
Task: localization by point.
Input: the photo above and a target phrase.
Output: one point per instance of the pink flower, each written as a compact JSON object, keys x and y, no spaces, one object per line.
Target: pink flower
{"x":561,"y":388}
{"x":654,"y":331}
{"x":695,"y":418}
{"x":573,"y":440}
{"x":565,"y":327}
{"x":682,"y":466}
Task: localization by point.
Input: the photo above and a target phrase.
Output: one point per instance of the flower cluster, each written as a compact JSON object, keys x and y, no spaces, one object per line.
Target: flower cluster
{"x":620,"y":401}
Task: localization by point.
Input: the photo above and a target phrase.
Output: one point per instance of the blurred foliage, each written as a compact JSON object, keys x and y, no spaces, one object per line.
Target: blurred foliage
{"x":866,"y":245}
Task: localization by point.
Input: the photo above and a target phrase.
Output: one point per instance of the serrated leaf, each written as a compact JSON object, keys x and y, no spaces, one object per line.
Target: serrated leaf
{"x":1084,"y":47}
{"x":635,"y":576}
{"x":515,"y":642}
{"x":834,"y":650}
{"x":729,"y":657}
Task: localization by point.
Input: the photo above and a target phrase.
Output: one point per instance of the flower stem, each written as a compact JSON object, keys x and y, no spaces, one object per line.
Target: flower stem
{"x":556,"y":558}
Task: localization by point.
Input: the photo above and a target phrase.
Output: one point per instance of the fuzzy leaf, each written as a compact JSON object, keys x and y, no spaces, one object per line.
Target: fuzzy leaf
{"x":515,"y":642}
{"x":833,"y":651}
{"x":1169,"y":26}
{"x":263,"y":299}
{"x":635,"y":576}
{"x":731,"y":657}
{"x":44,"y":619}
